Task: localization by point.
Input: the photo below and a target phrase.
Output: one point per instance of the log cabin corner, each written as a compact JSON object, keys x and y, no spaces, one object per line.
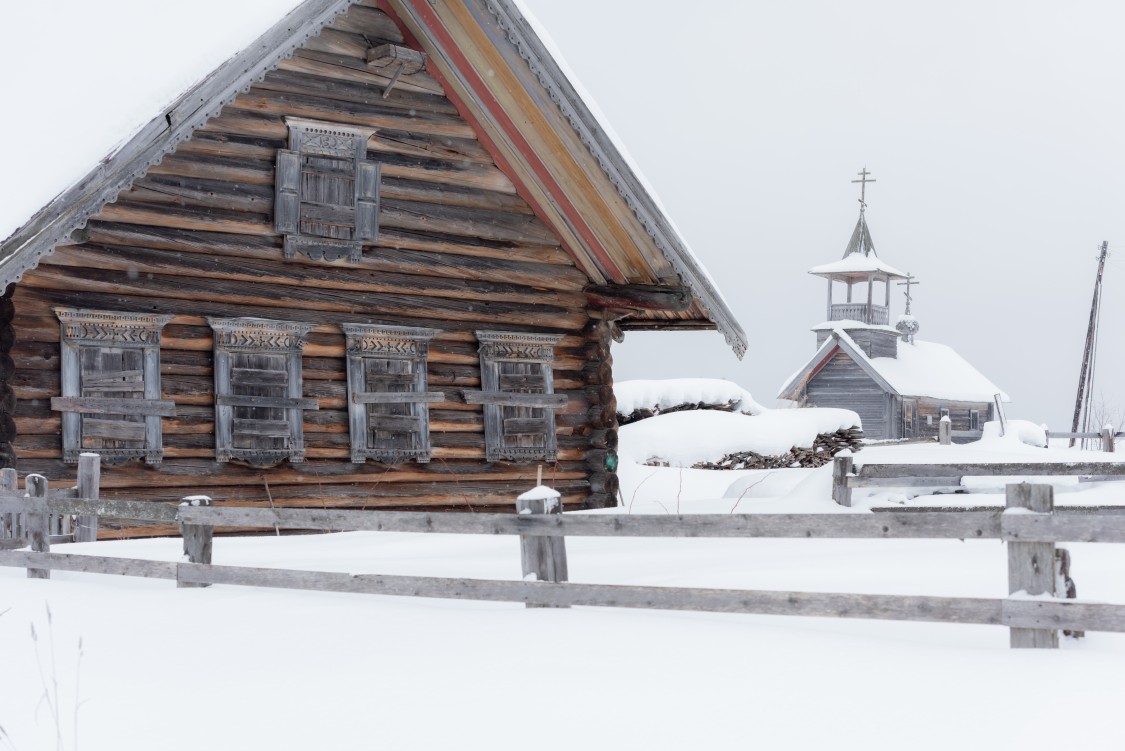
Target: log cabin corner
{"x":376,"y":259}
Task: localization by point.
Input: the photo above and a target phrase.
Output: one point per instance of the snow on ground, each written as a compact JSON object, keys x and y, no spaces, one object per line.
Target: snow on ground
{"x":236,"y":667}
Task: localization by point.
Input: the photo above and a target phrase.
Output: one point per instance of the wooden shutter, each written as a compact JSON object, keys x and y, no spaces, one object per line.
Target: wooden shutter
{"x":388,"y":405}
{"x":367,"y":201}
{"x":110,"y":399}
{"x":517,"y":392}
{"x":287,"y":202}
{"x":258,"y":402}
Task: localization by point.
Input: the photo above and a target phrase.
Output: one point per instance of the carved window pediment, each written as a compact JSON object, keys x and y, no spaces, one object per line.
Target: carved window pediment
{"x":326,"y":200}
{"x":388,"y":404}
{"x":517,"y":391}
{"x":258,"y":401}
{"x":110,"y":399}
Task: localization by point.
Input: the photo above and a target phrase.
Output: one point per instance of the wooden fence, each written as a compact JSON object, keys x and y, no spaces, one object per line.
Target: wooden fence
{"x":845,"y":478}
{"x":1033,"y":612}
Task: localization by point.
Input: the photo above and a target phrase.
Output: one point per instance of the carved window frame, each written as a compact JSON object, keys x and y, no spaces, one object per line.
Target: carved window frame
{"x":506,"y":358}
{"x":88,"y":338}
{"x":401,"y":354}
{"x":320,"y":179}
{"x":242,"y":348}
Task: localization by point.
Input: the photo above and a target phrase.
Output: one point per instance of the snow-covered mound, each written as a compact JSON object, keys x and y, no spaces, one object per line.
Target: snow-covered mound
{"x":683,"y":439}
{"x":1016,"y":431}
{"x":659,"y":396}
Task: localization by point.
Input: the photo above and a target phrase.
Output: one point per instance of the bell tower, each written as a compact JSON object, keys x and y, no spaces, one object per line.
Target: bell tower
{"x":859,"y":289}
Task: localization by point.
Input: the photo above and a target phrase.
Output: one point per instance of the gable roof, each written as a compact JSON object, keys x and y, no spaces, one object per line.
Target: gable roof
{"x":922,"y":369}
{"x":503,"y":79}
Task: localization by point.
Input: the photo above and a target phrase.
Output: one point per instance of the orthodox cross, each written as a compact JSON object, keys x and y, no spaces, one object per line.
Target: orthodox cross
{"x":910,"y":280}
{"x":863,"y":188}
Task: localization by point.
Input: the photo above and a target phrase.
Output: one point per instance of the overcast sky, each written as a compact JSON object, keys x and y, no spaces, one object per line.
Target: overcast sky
{"x":994,"y":131}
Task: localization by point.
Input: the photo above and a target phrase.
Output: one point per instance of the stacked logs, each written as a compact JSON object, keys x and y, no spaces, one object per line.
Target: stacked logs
{"x":601,"y":458}
{"x":642,"y":413}
{"x":825,"y":446}
{"x":7,"y":369}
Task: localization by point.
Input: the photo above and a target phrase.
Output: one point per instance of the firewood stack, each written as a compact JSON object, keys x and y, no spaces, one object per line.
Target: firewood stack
{"x":643,"y":413}
{"x":825,"y":446}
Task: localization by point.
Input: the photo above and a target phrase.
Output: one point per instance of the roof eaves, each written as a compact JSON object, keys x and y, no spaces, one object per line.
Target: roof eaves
{"x":72,"y":208}
{"x":520,"y":34}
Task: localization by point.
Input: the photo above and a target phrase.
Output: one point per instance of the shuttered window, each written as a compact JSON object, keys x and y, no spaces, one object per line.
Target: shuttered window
{"x":517,"y":392}
{"x":258,"y":401}
{"x":110,"y":399}
{"x":326,"y":201}
{"x":388,"y":404}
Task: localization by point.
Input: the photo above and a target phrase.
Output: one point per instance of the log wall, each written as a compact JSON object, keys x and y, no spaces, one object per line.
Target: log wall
{"x":458,"y":251}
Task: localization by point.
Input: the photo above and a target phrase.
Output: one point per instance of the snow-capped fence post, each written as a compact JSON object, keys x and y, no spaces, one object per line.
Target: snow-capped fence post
{"x":543,"y":558}
{"x":842,"y":465}
{"x":89,"y":486}
{"x":1108,"y":438}
{"x":197,"y":538}
{"x":945,"y":430}
{"x":36,"y":521}
{"x":1031,"y":565}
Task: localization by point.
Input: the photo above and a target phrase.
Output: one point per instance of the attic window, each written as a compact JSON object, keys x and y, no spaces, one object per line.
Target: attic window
{"x":110,"y":399}
{"x":326,"y":202}
{"x":517,"y":391}
{"x":388,"y":405}
{"x":258,"y":402}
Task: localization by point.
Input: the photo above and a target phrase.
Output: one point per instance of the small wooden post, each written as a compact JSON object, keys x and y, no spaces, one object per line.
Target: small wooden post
{"x":542,"y":557}
{"x":945,"y":431}
{"x":1107,"y":438}
{"x":197,"y":538}
{"x":1031,"y":565}
{"x":10,"y":523}
{"x":38,"y":536}
{"x":89,"y":486}
{"x":842,"y":465}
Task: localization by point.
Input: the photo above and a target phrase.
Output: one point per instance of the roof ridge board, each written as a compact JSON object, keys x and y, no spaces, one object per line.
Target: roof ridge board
{"x":590,"y":131}
{"x":71,"y":209}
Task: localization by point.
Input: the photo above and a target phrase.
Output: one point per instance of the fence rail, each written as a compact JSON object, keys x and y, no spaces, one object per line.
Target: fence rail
{"x":1029,"y":526}
{"x":845,"y":478}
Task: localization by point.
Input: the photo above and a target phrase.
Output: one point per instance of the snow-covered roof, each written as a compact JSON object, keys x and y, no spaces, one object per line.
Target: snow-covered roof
{"x":857,"y":264}
{"x":122,"y":96}
{"x":922,"y":369}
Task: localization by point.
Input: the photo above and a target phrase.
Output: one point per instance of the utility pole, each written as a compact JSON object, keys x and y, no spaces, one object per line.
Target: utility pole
{"x":1086,"y":376}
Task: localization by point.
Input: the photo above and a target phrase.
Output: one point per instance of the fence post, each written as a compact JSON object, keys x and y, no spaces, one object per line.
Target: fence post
{"x":842,"y":465}
{"x":1031,"y":565}
{"x":197,"y":539}
{"x":945,"y":431}
{"x":89,"y":486}
{"x":10,"y":523}
{"x":542,"y":557}
{"x":1107,"y":438}
{"x":36,"y":521}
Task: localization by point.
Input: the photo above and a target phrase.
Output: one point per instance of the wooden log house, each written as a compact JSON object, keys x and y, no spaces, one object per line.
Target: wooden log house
{"x":377,"y":259}
{"x":900,"y":387}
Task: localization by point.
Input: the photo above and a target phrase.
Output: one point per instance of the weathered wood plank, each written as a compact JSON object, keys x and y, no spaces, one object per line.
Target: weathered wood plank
{"x":515,"y":399}
{"x":1031,"y":565}
{"x":89,"y":564}
{"x":91,"y":405}
{"x":1057,"y":615}
{"x":277,"y":402}
{"x":36,"y":520}
{"x":975,"y":525}
{"x":398,"y":397}
{"x":89,"y":487}
{"x":119,"y":509}
{"x":1014,"y":469}
{"x":825,"y":605}
{"x":1058,"y":527}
